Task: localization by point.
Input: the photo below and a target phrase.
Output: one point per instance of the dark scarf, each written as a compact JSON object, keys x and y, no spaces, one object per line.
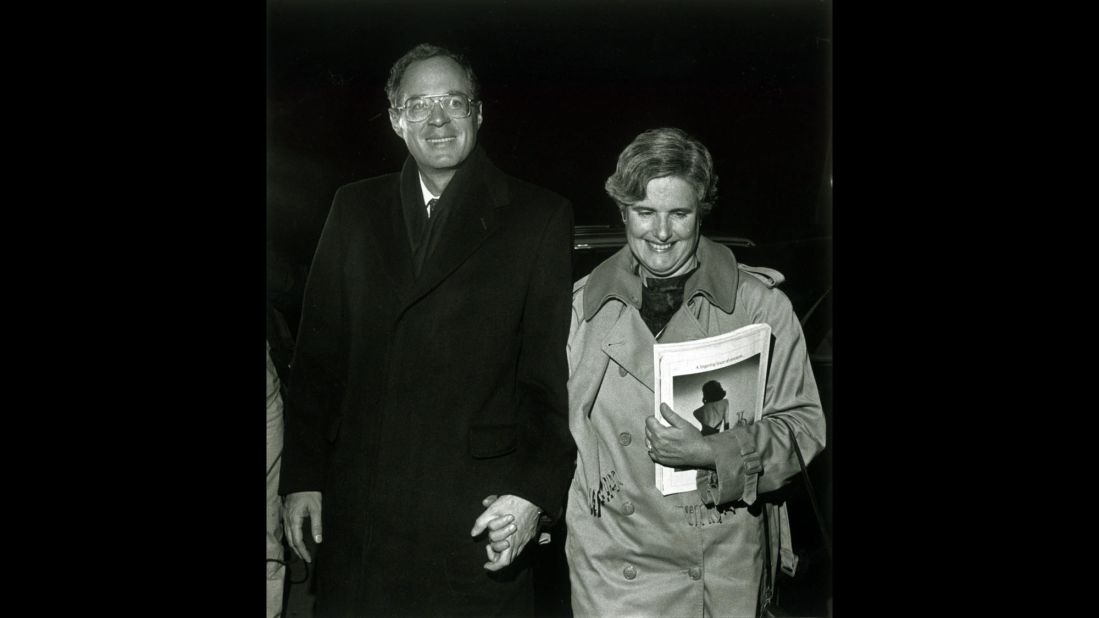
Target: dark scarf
{"x":415,"y":211}
{"x":660,"y":298}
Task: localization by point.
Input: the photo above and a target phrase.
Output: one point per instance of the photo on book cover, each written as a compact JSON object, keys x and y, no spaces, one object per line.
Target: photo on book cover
{"x":713,"y":401}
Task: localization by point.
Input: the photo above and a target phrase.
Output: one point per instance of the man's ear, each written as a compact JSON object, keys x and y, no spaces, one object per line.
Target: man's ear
{"x":480,"y":114}
{"x":395,"y":122}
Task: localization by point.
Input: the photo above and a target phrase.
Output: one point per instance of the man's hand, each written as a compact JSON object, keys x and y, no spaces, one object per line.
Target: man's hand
{"x":296,"y":508}
{"x":680,"y":445}
{"x":511,"y":523}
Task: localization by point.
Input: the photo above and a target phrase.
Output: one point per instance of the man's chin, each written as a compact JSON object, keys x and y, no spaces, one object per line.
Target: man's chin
{"x":443,"y":162}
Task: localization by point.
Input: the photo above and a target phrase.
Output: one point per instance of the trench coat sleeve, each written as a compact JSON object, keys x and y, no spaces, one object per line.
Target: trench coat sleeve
{"x":546,"y":451}
{"x":318,"y":376}
{"x":759,"y":458}
{"x":274,"y":459}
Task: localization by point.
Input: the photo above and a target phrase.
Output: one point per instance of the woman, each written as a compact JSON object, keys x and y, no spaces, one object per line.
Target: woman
{"x":631,"y":550}
{"x":714,"y":409}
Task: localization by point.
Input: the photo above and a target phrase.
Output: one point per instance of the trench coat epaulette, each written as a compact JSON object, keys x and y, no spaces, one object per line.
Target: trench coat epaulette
{"x":769,"y":276}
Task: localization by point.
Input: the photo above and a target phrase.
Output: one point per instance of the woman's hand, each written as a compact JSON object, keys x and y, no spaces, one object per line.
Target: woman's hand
{"x":678,"y":446}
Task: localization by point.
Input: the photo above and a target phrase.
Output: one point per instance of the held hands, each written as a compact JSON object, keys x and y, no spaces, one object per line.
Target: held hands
{"x":680,"y":445}
{"x":511,"y":523}
{"x":296,"y":508}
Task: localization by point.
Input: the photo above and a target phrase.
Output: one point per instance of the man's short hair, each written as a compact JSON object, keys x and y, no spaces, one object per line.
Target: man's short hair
{"x":659,"y":153}
{"x":423,"y":51}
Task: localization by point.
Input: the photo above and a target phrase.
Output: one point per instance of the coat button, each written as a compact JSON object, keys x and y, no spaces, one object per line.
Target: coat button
{"x":696,"y":573}
{"x":629,"y":572}
{"x":628,"y":508}
{"x":625,"y":438}
{"x":622,"y":371}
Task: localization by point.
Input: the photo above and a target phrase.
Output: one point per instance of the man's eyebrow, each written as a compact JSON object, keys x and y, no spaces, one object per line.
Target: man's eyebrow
{"x":441,"y":94}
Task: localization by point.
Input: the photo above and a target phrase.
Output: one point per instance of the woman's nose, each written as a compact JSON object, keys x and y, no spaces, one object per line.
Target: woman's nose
{"x":663,"y":229}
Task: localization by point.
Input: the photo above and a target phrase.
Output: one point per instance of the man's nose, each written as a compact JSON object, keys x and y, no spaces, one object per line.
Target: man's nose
{"x":438,"y":117}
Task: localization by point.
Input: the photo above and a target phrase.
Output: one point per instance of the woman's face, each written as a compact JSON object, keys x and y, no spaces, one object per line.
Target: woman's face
{"x":662,"y":229}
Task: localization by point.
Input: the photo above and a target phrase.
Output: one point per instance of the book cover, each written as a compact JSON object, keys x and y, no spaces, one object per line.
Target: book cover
{"x":714,"y":384}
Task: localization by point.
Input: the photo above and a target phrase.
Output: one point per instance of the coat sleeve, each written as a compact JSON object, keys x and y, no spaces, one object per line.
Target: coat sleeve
{"x":546,"y":452}
{"x":318,"y":376}
{"x":759,"y":458}
{"x":274,"y":422}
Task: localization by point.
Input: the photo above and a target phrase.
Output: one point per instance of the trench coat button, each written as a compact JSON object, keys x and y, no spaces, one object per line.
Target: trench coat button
{"x":629,"y":572}
{"x":625,"y":438}
{"x":622,"y":371}
{"x":628,"y":508}
{"x":696,"y":573}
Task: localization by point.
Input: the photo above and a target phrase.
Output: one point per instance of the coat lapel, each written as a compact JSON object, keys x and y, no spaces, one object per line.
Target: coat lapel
{"x":630,"y":344}
{"x":390,"y":234}
{"x":473,"y":217}
{"x":684,"y":325}
{"x":470,"y":223}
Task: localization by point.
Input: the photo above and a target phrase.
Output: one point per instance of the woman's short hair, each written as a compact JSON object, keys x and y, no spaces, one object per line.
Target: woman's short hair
{"x":712,"y":391}
{"x":659,"y":153}
{"x":423,"y":51}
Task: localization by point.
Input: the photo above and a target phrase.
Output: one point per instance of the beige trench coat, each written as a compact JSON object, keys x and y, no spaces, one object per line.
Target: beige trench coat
{"x":276,"y":573}
{"x":632,"y":551}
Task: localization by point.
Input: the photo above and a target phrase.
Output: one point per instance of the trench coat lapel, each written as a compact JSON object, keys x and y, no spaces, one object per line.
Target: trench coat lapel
{"x":630,"y":344}
{"x":684,"y":326}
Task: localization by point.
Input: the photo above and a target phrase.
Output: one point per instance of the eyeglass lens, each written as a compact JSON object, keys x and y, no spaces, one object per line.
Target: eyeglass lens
{"x":419,"y":108}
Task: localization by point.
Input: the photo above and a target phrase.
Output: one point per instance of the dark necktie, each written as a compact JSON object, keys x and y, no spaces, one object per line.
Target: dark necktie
{"x":425,"y":236}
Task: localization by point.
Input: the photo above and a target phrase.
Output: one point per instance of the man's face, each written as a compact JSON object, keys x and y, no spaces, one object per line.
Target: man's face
{"x":440,"y":142}
{"x":662,"y":229}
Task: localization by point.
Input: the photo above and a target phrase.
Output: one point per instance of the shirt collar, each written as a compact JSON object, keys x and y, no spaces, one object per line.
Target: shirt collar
{"x":428,"y":195}
{"x":717,"y":279}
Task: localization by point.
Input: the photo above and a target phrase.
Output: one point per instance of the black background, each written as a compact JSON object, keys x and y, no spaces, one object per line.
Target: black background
{"x":566,"y":85}
{"x":136,"y":485}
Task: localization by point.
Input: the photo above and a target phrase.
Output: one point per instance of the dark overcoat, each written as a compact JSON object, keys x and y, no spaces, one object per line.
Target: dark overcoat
{"x":413,"y":398}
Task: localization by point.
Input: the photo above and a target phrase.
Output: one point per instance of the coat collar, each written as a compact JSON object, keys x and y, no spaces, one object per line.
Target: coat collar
{"x":473,"y":197}
{"x":628,"y":341}
{"x":717,"y":279}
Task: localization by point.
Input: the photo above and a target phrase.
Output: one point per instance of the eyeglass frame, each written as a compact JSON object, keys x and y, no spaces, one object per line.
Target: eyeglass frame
{"x":436,"y":99}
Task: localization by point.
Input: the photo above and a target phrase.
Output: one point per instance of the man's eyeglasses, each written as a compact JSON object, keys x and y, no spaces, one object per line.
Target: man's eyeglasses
{"x":417,"y":109}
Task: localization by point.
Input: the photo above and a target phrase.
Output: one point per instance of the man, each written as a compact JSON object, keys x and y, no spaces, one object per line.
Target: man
{"x":430,"y":370}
